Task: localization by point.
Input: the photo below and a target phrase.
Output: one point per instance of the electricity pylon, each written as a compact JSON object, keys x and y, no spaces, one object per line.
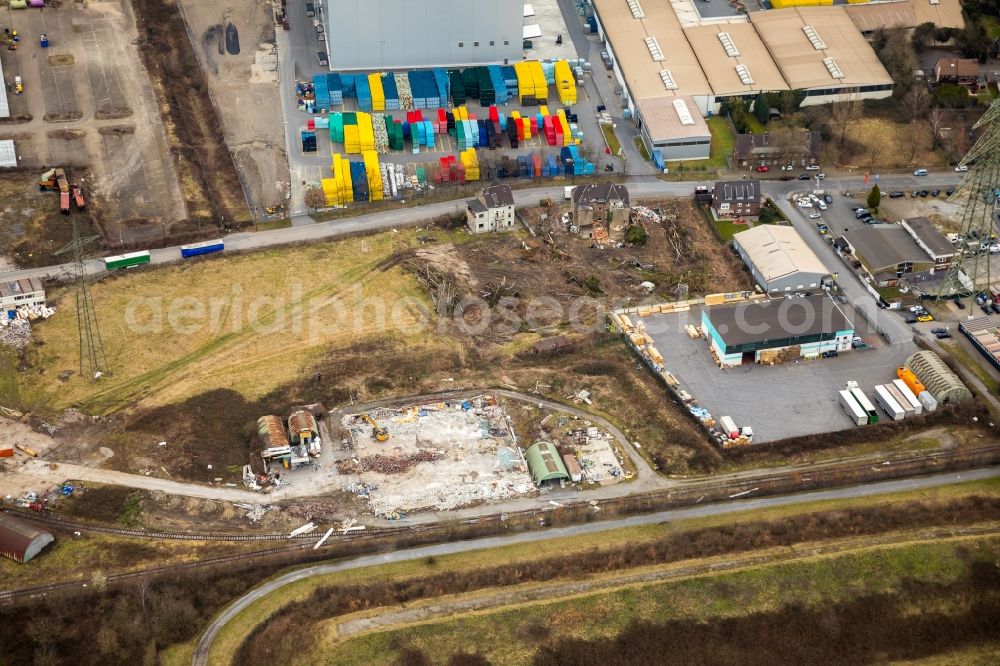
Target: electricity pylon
{"x":977,"y":205}
{"x":93,"y":360}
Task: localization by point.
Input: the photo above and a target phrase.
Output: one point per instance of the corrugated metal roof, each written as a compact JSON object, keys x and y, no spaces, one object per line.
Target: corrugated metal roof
{"x":545,"y":463}
{"x":20,"y":540}
{"x":272,"y":431}
{"x":301,"y":421}
{"x":30,"y":285}
{"x":8,"y":155}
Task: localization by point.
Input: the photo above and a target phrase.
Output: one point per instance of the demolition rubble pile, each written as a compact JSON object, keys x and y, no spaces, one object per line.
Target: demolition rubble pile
{"x":385,"y":464}
{"x":16,"y":332}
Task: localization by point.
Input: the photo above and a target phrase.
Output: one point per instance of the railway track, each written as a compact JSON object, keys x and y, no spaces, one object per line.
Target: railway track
{"x":679,"y":496}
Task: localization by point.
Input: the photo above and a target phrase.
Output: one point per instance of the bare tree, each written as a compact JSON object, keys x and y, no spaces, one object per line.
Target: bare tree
{"x":315,"y":198}
{"x":845,"y":114}
{"x":914,"y":102}
{"x":936,"y":119}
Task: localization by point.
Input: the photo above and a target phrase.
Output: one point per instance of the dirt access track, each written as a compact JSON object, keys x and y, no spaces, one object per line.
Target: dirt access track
{"x":88,"y":102}
{"x":245,"y":89}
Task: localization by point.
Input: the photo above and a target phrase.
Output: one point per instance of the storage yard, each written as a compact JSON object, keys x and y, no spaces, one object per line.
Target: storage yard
{"x":802,"y":396}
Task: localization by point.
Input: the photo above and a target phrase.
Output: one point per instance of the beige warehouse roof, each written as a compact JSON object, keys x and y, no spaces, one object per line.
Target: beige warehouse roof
{"x":778,"y":251}
{"x":906,"y":14}
{"x":944,"y":14}
{"x":626,"y":34}
{"x":802,"y":64}
{"x":720,"y":66}
{"x":662,"y":120}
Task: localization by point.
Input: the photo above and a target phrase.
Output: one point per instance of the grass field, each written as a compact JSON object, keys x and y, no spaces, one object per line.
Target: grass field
{"x":974,"y":363}
{"x":507,"y":636}
{"x":247,"y":323}
{"x":881,"y":143}
{"x":235,"y":631}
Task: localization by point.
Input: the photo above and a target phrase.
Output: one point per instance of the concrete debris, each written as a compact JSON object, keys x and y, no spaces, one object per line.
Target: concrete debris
{"x":15,"y":333}
{"x":254,"y":512}
{"x":385,"y":464}
{"x":305,"y":529}
{"x":643,"y":214}
{"x":381,"y":134}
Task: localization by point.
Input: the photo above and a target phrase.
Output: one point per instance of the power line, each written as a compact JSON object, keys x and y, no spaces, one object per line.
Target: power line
{"x":93,"y":360}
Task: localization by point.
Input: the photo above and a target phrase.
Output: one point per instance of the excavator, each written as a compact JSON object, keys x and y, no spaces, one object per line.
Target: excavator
{"x":55,"y":179}
{"x":378,"y":432}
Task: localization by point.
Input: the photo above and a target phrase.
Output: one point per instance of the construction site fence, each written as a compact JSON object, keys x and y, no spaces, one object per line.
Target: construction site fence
{"x":356,"y":543}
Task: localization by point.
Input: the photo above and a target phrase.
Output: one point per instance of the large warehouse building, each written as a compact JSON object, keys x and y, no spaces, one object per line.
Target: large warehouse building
{"x":394,"y":34}
{"x":662,"y":53}
{"x":779,"y":258}
{"x":772,"y":331}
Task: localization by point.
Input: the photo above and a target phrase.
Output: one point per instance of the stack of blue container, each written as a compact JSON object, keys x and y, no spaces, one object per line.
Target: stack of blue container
{"x":364,"y":92}
{"x":359,"y":181}
{"x":424,"y":86}
{"x":443,"y":85}
{"x":509,"y":79}
{"x":391,"y":92}
{"x":322,"y":92}
{"x":574,"y":164}
{"x":335,"y":88}
{"x":499,"y":84}
{"x":347,"y":86}
{"x":551,"y":167}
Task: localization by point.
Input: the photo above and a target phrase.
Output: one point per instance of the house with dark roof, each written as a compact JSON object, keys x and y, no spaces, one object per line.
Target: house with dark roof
{"x":799,"y":148}
{"x":606,"y":204}
{"x":961,"y":71}
{"x":737,"y":198}
{"x":491,"y":210}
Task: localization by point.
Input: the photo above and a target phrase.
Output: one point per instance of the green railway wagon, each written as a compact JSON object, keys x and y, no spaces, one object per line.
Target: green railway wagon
{"x":126,"y":260}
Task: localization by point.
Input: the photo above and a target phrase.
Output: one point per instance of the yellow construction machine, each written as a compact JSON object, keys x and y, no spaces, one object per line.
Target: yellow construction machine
{"x":378,"y":432}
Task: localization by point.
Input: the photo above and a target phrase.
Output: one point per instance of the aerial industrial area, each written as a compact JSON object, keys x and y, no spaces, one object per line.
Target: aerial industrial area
{"x":492,"y":332}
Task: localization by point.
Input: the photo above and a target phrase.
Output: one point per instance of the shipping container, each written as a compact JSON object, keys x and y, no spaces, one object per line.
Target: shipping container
{"x":129,"y":260}
{"x":728,"y":427}
{"x":865,"y":404}
{"x":927,"y":400}
{"x":888,"y":404}
{"x":205,"y":247}
{"x":900,"y":399}
{"x":852,"y":408}
{"x":908,"y":395}
{"x":910,"y":380}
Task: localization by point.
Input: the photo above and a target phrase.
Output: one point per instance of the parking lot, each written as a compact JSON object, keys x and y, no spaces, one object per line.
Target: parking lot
{"x":790,"y":400}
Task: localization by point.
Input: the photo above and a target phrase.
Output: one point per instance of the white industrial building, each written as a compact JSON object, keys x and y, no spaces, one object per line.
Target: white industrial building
{"x":662,"y":51}
{"x":779,"y":259}
{"x":17,"y":293}
{"x":406,"y":34}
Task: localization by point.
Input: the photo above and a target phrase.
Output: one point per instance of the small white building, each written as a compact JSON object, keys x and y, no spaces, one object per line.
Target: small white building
{"x":14,"y":294}
{"x":491,"y":210}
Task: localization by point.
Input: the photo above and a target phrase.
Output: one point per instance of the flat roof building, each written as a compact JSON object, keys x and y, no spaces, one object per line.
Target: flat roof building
{"x":930,"y":239}
{"x":776,"y":330}
{"x":735,"y":60}
{"x":14,"y":294}
{"x":872,"y":16}
{"x":398,"y":34}
{"x":779,"y":258}
{"x":887,"y":252}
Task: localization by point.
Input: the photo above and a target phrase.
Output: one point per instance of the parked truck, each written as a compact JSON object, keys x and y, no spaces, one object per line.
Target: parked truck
{"x":205,"y":247}
{"x":852,"y":408}
{"x":908,"y":409}
{"x":888,"y":403}
{"x":908,"y":395}
{"x":864,"y":402}
{"x":728,"y":427}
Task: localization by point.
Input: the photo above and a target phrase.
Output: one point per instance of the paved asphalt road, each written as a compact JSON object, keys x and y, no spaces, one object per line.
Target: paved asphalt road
{"x":639,"y":187}
{"x":437,"y":550}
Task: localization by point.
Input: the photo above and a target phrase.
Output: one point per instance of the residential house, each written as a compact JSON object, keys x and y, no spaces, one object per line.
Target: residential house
{"x":491,"y":210}
{"x":774,"y":150}
{"x":962,"y":71}
{"x":737,"y":198}
{"x":606,"y":205}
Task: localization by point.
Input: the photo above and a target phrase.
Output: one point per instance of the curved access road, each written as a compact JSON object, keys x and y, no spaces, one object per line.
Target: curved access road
{"x":202,"y":652}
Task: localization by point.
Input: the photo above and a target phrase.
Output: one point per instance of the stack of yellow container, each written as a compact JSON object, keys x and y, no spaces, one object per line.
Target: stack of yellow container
{"x":374,"y":175}
{"x":366,"y":133}
{"x":352,"y":139}
{"x":337,"y":190}
{"x":525,"y":81}
{"x":565,"y":83}
{"x":538,"y":76}
{"x":471,"y":163}
{"x":378,"y":94}
{"x":564,"y":122}
{"x":461,"y":113}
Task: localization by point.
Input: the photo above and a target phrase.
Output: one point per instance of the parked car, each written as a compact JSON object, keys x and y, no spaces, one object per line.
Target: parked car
{"x":925,"y":317}
{"x":959,"y":304}
{"x":920,"y":172}
{"x":962,"y":168}
{"x":323,"y":59}
{"x":822,"y":228}
{"x":896,"y":194}
{"x":814,"y":216}
{"x":995,"y":308}
{"x":805,"y":176}
{"x":762,"y":169}
{"x":910,"y":319}
{"x":994,"y":248}
{"x":934,"y":193}
{"x":943,"y":336}
{"x":830,"y":354}
{"x":924,"y":193}
{"x":812,"y":167}
{"x":310,"y":10}
{"x":986,"y":309}
{"x":821,"y":176}
{"x":914,"y":194}
{"x":939,"y":329}
{"x":950,"y":191}
{"x":827,"y":198}
{"x":917,"y":309}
